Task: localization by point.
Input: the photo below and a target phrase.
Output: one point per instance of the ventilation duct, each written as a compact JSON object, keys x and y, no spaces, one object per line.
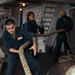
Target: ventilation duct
{"x":5,"y":1}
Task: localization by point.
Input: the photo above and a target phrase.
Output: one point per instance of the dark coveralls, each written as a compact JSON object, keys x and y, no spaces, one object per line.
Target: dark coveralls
{"x":13,"y":58}
{"x":66,"y":24}
{"x":32,"y":28}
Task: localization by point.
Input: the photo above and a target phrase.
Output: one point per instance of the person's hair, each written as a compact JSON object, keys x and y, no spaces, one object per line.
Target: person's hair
{"x":9,"y":21}
{"x":29,"y":13}
{"x":63,"y":11}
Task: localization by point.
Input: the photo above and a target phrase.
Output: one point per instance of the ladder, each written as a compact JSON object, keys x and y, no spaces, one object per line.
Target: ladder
{"x":48,"y":14}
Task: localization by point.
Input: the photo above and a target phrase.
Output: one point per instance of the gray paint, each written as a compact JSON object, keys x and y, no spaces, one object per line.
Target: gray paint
{"x":73,"y":31}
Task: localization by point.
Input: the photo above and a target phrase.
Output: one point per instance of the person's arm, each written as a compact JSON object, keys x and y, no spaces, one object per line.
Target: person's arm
{"x":32,"y":36}
{"x":8,"y":45}
{"x":12,"y":50}
{"x":69,"y":24}
{"x":34,"y":45}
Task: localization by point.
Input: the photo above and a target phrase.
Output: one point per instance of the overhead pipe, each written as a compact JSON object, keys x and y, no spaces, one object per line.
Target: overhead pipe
{"x":5,"y":1}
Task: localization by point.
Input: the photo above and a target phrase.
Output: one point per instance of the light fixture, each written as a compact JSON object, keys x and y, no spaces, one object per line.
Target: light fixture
{"x":20,"y":9}
{"x":23,"y":4}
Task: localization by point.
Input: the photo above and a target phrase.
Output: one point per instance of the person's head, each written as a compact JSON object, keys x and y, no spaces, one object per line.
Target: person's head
{"x":10,"y":26}
{"x":62,"y":13}
{"x":30,"y":16}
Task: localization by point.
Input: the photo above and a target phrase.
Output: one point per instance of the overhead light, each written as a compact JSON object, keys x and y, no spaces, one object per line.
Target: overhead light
{"x":23,"y":4}
{"x":20,"y":9}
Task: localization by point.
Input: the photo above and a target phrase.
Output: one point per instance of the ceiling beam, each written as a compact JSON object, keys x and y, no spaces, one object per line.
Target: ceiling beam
{"x":63,"y":1}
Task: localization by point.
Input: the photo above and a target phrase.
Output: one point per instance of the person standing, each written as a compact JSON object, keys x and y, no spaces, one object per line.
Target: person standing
{"x":65,"y":23}
{"x":31,"y":26}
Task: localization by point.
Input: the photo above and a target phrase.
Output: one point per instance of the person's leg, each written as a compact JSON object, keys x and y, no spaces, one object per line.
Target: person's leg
{"x":33,"y":64}
{"x":12,"y":60}
{"x":66,"y":45}
{"x":57,"y":46}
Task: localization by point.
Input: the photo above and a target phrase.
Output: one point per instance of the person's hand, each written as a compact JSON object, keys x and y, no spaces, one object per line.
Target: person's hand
{"x":33,"y":48}
{"x":18,"y":51}
{"x":37,"y":34}
{"x":63,"y":30}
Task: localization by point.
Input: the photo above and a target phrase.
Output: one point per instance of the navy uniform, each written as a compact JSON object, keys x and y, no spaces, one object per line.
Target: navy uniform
{"x":13,"y":58}
{"x":66,"y":24}
{"x":32,"y":28}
